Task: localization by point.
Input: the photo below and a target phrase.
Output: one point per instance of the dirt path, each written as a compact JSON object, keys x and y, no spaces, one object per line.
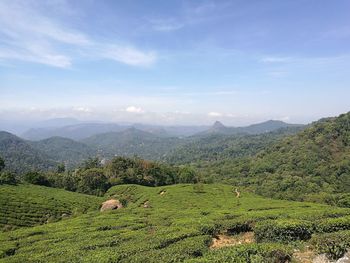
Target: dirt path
{"x":224,"y":240}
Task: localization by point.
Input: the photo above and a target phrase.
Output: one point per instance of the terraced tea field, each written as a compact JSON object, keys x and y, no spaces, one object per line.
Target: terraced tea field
{"x":29,"y":205}
{"x":180,"y":223}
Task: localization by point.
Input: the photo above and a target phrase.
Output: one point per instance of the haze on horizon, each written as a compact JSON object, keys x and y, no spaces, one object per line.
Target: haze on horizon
{"x":174,"y":62}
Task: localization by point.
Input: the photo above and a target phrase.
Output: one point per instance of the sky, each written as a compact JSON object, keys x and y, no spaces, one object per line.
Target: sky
{"x":174,"y":62}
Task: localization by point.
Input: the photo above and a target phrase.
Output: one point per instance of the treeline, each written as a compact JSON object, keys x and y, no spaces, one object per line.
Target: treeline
{"x":94,"y":178}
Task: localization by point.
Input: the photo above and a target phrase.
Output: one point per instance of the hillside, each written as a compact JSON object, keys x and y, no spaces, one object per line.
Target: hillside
{"x":28,"y":205}
{"x":307,"y":166}
{"x":132,"y":142}
{"x":74,"y":132}
{"x":264,"y":127}
{"x":184,"y":223}
{"x":216,"y":147}
{"x":20,"y":156}
{"x":64,"y":150}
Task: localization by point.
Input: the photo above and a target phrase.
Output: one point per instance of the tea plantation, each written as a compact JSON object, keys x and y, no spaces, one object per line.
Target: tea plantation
{"x":175,"y":223}
{"x":29,"y":205}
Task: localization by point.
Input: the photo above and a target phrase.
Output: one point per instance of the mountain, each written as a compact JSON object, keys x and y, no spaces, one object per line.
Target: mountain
{"x":20,"y":156}
{"x":131,"y":142}
{"x":64,"y":150}
{"x":75,"y":132}
{"x":310,"y":165}
{"x":267,"y":126}
{"x":215,"y":146}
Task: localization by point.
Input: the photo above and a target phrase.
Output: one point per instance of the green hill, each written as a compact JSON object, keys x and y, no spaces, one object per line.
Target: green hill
{"x":29,"y":205}
{"x":132,"y":142}
{"x":216,"y":147}
{"x":20,"y":156}
{"x":64,"y":150}
{"x":310,"y":165}
{"x":180,"y":224}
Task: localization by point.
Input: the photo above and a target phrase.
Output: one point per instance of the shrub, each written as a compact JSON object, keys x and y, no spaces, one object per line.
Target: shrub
{"x":283,"y":230}
{"x":333,"y":244}
{"x":262,"y":253}
{"x":36,"y":178}
{"x":333,"y":224}
{"x":7,"y":178}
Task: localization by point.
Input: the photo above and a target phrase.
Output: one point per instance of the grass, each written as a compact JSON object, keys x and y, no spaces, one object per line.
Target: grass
{"x":178,"y":226}
{"x":28,"y":205}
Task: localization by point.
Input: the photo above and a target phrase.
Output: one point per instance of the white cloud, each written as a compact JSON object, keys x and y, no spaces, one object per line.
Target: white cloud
{"x":166,"y":25}
{"x":275,"y":59}
{"x":30,"y":35}
{"x":215,"y":114}
{"x":129,"y":55}
{"x":133,"y":109}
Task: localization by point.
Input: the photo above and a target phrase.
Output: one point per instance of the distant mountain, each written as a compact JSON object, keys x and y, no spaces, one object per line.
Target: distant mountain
{"x":75,"y":132}
{"x":132,"y":142}
{"x":57,"y":122}
{"x":64,"y":150}
{"x":20,"y":156}
{"x":264,"y":127}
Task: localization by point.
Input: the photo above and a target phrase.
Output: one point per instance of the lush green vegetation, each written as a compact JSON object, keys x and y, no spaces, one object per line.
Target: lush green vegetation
{"x":177,"y":225}
{"x":313,"y":165}
{"x":64,"y":150}
{"x":133,"y":142}
{"x":214,"y":147}
{"x":94,"y":178}
{"x":20,"y":156}
{"x":29,"y":205}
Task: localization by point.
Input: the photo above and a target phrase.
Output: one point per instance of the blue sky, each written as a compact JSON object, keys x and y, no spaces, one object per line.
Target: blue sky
{"x":175,"y":62}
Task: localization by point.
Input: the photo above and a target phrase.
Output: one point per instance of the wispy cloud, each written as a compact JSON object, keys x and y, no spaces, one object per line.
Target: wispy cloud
{"x":29,"y":35}
{"x":128,"y":55}
{"x":166,"y":25}
{"x":275,"y":59}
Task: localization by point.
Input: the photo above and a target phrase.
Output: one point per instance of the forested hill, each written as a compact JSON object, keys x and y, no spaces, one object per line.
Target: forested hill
{"x":132,"y":142}
{"x":258,"y":128}
{"x":216,"y":147}
{"x":20,"y":156}
{"x":64,"y":150}
{"x":302,"y":166}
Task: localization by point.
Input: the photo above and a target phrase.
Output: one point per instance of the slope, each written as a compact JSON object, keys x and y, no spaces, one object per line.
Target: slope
{"x":64,"y":150}
{"x":178,"y":225}
{"x":132,"y":142}
{"x":20,"y":156}
{"x":29,"y":205}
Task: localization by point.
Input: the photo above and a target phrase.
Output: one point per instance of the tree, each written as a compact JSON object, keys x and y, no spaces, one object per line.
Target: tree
{"x":61,"y":168}
{"x":93,"y":181}
{"x":7,"y":178}
{"x":2,"y":164}
{"x":36,"y":178}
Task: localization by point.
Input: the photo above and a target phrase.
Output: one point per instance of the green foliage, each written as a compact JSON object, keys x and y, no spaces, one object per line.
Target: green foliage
{"x":333,"y":224}
{"x":93,"y":181}
{"x":36,"y":178}
{"x":29,"y":205}
{"x":178,"y":227}
{"x":333,"y":244}
{"x":7,"y":178}
{"x":311,"y":165}
{"x":20,"y":157}
{"x":283,"y":230}
{"x":252,"y":253}
{"x":2,"y":164}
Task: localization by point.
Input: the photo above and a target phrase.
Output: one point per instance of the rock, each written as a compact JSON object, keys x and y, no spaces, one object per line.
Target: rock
{"x":345,"y":258}
{"x":321,"y":259}
{"x":146,"y":205}
{"x":111,"y":205}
